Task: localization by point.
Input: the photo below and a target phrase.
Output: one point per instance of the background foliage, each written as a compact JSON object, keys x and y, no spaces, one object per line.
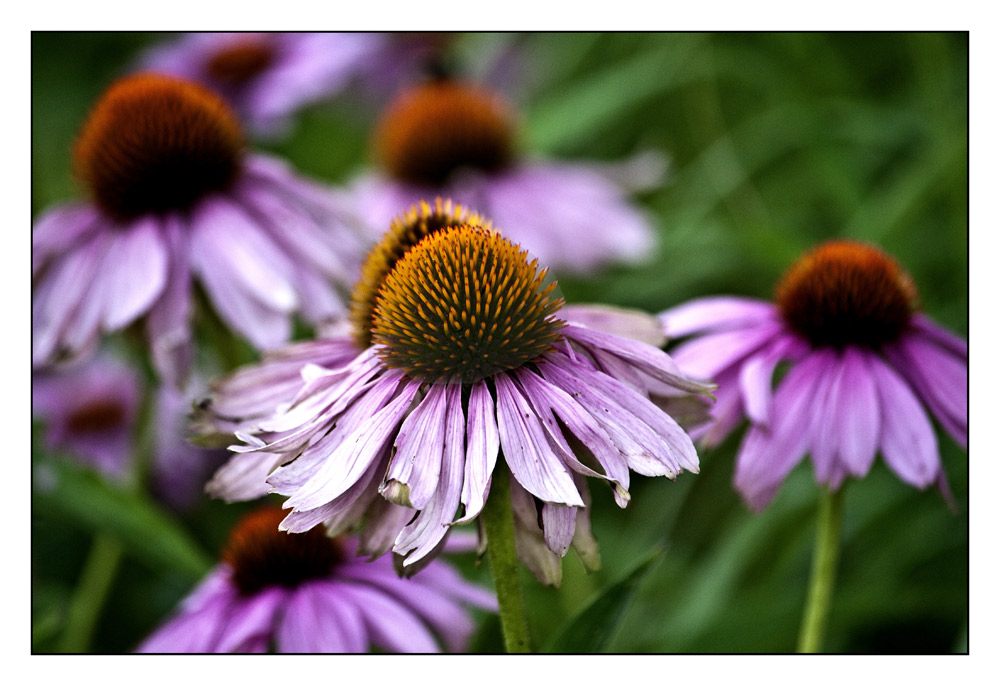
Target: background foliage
{"x":775,"y":142}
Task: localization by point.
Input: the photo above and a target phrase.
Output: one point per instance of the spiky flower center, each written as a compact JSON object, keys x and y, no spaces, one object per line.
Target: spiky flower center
{"x":155,"y":143}
{"x":463,"y":305}
{"x":260,"y":555}
{"x":439,"y":127}
{"x":847,"y":293}
{"x":96,"y":417}
{"x":406,"y":231}
{"x":241,"y":60}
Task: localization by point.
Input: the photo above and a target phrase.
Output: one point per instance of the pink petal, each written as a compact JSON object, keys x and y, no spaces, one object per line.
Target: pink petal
{"x":908,"y":443}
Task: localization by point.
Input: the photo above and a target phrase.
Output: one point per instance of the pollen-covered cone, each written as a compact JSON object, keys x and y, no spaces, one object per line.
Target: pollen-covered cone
{"x":470,"y":363}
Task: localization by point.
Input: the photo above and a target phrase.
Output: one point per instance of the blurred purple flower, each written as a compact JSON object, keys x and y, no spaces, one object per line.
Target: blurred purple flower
{"x":306,"y":593}
{"x":174,"y":200}
{"x":864,"y":368}
{"x":267,"y":77}
{"x":89,"y":413}
{"x":455,"y":140}
{"x":424,"y":432}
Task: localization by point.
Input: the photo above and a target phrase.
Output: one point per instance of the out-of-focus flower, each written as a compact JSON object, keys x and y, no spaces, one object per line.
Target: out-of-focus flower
{"x":456,"y":140}
{"x":174,"y":199}
{"x":863,"y":369}
{"x":460,"y":358}
{"x":90,"y":413}
{"x":307,"y":593}
{"x":267,"y":77}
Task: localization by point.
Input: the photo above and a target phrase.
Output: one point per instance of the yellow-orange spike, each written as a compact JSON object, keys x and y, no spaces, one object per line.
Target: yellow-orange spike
{"x":405,"y":231}
{"x":446,"y":350}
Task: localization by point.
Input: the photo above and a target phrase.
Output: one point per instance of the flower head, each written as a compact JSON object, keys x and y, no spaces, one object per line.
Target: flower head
{"x":865,"y":366}
{"x":306,"y":593}
{"x":90,"y":412}
{"x":174,"y":198}
{"x":454,"y":139}
{"x":469,"y":362}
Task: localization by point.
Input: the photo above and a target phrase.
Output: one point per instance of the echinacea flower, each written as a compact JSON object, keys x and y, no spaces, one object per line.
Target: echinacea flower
{"x":267,"y":77}
{"x":462,"y":362}
{"x":89,"y":412}
{"x":307,"y":593}
{"x":175,"y":200}
{"x":457,"y":140}
{"x":864,"y":367}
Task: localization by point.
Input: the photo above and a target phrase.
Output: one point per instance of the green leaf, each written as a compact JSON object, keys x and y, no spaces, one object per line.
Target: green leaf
{"x":592,"y":629}
{"x":148,"y":532}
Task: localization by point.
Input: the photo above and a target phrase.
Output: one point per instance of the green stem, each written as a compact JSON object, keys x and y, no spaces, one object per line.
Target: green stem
{"x":498,"y":519}
{"x":88,"y":599}
{"x":824,"y":571}
{"x":106,"y":551}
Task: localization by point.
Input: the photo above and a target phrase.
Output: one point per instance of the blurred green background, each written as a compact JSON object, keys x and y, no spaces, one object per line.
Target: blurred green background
{"x":775,"y":142}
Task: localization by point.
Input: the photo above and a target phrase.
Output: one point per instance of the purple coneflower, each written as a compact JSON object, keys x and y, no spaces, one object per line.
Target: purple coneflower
{"x":462,"y":366}
{"x":457,"y":140}
{"x":89,"y":412}
{"x":864,"y":369}
{"x":267,"y":77}
{"x":173,"y":200}
{"x":306,"y":593}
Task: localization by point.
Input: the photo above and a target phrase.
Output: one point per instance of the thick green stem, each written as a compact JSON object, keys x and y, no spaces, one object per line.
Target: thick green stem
{"x":498,"y":519}
{"x":88,"y":599}
{"x":824,"y":571}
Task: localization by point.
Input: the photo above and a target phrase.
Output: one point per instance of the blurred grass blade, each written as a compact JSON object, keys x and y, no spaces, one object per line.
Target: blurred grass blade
{"x":592,"y":629}
{"x":149,"y":533}
{"x":579,"y":112}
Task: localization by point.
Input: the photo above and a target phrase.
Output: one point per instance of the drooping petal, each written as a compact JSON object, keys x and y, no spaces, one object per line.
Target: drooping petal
{"x":651,"y":441}
{"x":940,"y":377}
{"x":908,"y":443}
{"x":526,"y":448}
{"x":529,"y":539}
{"x":415,"y":467}
{"x":59,"y":230}
{"x":558,"y":527}
{"x":422,"y":538}
{"x":136,"y":269}
{"x":548,"y":399}
{"x":482,"y":441}
{"x":858,"y":419}
{"x":650,"y":360}
{"x":351,"y":459}
{"x":767,"y":455}
{"x":167,"y":325}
